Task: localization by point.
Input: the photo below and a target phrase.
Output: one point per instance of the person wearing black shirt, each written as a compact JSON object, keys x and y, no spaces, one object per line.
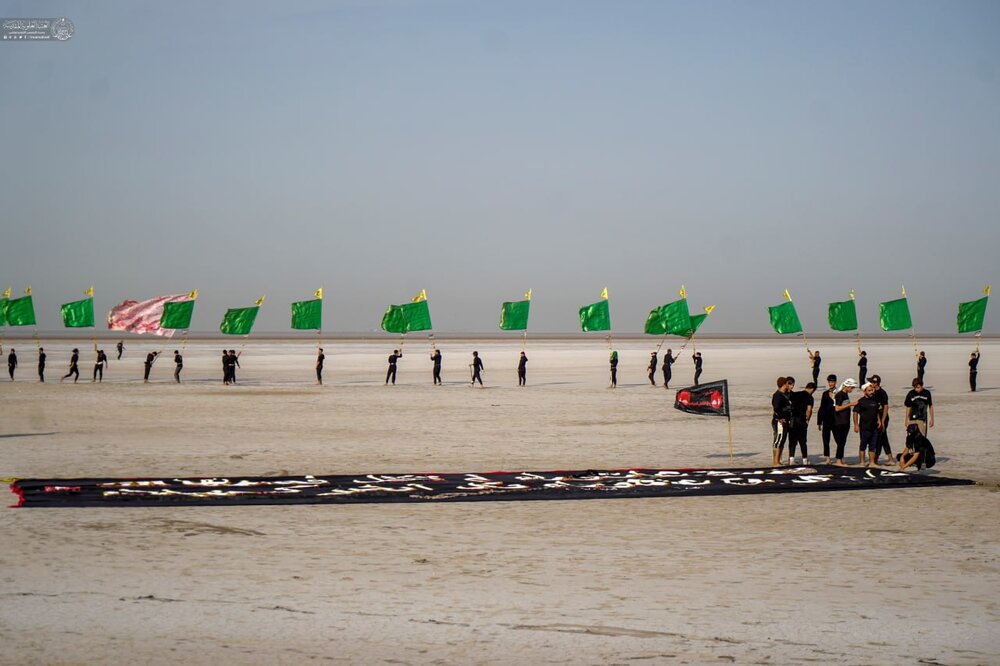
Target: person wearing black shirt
{"x":613,"y":361}
{"x":697,"y":366}
{"x":99,"y":363}
{"x":178,"y":366}
{"x":522,"y":370}
{"x":477,"y":369}
{"x":882,"y":400}
{"x":150,"y":359}
{"x":320,"y":357}
{"x":391,"y":371}
{"x":826,"y":415}
{"x":921,"y":364}
{"x":234,"y":362}
{"x":668,"y":372}
{"x":816,"y":361}
{"x":919,"y":407}
{"x":436,"y":359}
{"x":781,"y":417}
{"x":802,"y":409}
{"x":866,"y":424}
{"x":121,"y":348}
{"x":651,"y":369}
{"x":842,"y":418}
{"x":41,"y":364}
{"x":11,"y":363}
{"x":74,"y":369}
{"x":862,"y":367}
{"x":973,"y":370}
{"x":225,"y":367}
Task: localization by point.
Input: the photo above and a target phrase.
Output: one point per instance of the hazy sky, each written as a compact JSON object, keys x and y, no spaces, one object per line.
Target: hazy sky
{"x":476,"y":149}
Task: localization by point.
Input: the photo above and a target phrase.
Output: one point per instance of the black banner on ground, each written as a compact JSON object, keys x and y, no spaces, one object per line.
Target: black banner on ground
{"x":429,"y":488}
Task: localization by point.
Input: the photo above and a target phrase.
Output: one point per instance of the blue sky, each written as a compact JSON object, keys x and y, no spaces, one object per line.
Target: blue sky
{"x":476,"y":149}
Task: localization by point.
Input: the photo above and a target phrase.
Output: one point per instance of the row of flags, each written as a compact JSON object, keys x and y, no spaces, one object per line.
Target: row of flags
{"x":893,"y":315}
{"x":165,"y":314}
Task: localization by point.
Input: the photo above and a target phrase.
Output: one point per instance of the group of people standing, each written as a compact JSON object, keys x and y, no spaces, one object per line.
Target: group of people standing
{"x":838,"y":413}
{"x":668,"y":372}
{"x":476,"y":368}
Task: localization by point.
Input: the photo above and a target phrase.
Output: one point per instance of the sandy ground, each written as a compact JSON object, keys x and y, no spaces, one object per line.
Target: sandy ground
{"x":897,"y":576}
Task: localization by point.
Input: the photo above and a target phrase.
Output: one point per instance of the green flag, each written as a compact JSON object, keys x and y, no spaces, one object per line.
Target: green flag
{"x":784,"y":318}
{"x":393,"y":320}
{"x":3,"y":311}
{"x":696,"y":322}
{"x":239,"y":321}
{"x":843,"y":316}
{"x":21,"y":312}
{"x":514,"y":315}
{"x":78,"y":314}
{"x":596,"y":316}
{"x":654,"y":322}
{"x":894,"y":315}
{"x":406,"y":318}
{"x":308,"y":315}
{"x":177,"y":315}
{"x":971,"y":315}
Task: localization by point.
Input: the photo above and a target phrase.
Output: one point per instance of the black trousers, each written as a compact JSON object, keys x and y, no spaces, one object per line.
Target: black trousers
{"x":99,"y":371}
{"x":319,"y":374}
{"x":920,"y":375}
{"x":437,"y":373}
{"x":797,"y":435}
{"x":614,"y":376}
{"x":10,"y":370}
{"x":667,"y":374}
{"x":862,"y":374}
{"x":972,"y":380}
{"x":476,"y":377}
{"x":883,"y":441}
{"x":780,"y":431}
{"x":816,"y":375}
{"x":41,"y":372}
{"x":652,"y":377}
{"x":177,"y":373}
{"x":522,"y":377}
{"x":697,"y":374}
{"x":74,"y":372}
{"x":391,"y":372}
{"x":826,"y":432}
{"x":840,"y":433}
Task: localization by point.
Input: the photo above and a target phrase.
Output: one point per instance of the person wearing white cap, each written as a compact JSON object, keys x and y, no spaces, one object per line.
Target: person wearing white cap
{"x":842,"y":419}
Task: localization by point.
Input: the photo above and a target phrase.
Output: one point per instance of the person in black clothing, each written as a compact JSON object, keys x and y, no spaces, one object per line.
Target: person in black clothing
{"x":697,"y":366}
{"x":320,"y":357}
{"x":919,"y":407}
{"x":882,"y":400}
{"x":234,"y":362}
{"x":225,"y":367}
{"x":781,"y":417}
{"x":11,"y":363}
{"x":651,"y":369}
{"x":668,"y":372}
{"x":802,"y":409}
{"x":862,"y":367}
{"x":816,"y":360}
{"x":866,"y":424}
{"x":921,"y":364}
{"x":477,"y":369}
{"x":391,"y":372}
{"x":613,"y":361}
{"x":436,"y":371}
{"x":178,"y":366}
{"x":973,"y":370}
{"x":826,"y":415}
{"x":522,"y":370}
{"x":842,"y":419}
{"x":150,"y":359}
{"x":121,"y":348}
{"x":41,"y":364}
{"x":74,"y":369}
{"x":99,"y":363}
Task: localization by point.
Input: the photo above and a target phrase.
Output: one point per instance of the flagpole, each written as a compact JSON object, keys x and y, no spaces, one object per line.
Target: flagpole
{"x":729,"y":424}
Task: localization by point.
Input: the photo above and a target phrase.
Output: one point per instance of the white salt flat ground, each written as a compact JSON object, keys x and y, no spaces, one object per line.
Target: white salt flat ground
{"x":866,"y":577}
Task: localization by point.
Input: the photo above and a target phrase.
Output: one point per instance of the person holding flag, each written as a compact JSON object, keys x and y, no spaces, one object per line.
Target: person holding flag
{"x":973,"y":370}
{"x":99,"y":363}
{"x":696,"y":357}
{"x":41,"y":365}
{"x":11,"y":363}
{"x":436,"y":367}
{"x":613,"y":361}
{"x":651,"y":369}
{"x":668,"y":362}
{"x":74,"y":369}
{"x":390,"y":372}
{"x":178,"y":365}
{"x":320,"y":357}
{"x":522,"y":370}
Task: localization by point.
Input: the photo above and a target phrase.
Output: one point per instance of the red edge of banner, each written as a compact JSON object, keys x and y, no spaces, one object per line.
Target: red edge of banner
{"x":14,"y":488}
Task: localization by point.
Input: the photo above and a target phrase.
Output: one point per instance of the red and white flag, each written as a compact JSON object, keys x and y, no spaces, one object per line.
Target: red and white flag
{"x":142,"y":316}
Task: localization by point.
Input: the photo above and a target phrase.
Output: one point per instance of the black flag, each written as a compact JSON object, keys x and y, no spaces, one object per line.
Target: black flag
{"x":711,"y":399}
